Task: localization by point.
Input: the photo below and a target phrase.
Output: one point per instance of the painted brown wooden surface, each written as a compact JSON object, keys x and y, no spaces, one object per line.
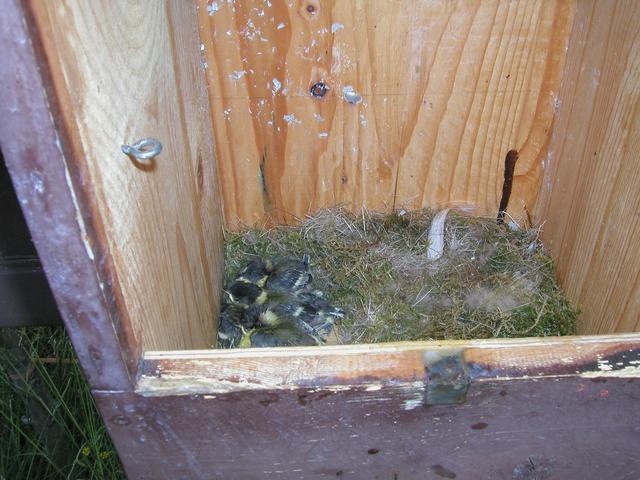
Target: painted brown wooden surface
{"x":125,"y":70}
{"x":524,"y":429}
{"x":561,"y":408}
{"x":591,"y":193}
{"x":57,"y":212}
{"x":448,"y":88}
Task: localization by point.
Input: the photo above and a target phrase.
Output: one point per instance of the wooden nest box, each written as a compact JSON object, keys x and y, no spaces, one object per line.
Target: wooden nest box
{"x":268,"y":110}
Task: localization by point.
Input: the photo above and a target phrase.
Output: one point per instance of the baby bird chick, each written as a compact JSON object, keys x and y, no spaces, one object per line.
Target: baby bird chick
{"x":319,"y":313}
{"x":281,"y":337}
{"x":229,"y":326}
{"x":256,"y":272}
{"x":286,"y":334}
{"x":314,"y":300}
{"x":271,"y":307}
{"x":281,"y":308}
{"x":289,"y":274}
{"x":244,"y":293}
{"x":271,"y":304}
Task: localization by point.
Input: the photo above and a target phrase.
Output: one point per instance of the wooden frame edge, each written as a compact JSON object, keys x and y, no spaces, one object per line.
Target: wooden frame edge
{"x":375,"y":366}
{"x":59,"y":218}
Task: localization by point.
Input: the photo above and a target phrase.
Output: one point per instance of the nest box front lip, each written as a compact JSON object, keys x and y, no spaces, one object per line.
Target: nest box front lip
{"x":378,"y":366}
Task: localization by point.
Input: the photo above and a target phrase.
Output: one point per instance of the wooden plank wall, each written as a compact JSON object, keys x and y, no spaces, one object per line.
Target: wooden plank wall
{"x":125,"y":70}
{"x":448,"y":88}
{"x":591,"y":193}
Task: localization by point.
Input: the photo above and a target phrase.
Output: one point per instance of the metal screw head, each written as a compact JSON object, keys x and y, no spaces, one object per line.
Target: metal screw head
{"x":319,"y":89}
{"x":120,"y":420}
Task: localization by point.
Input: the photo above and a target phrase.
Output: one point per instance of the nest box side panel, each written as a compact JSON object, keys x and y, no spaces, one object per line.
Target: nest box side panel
{"x":590,"y":197}
{"x":58,"y":213}
{"x":125,"y":71}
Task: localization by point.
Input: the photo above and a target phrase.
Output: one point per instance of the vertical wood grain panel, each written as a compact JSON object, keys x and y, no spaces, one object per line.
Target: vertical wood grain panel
{"x":448,"y":88}
{"x":36,"y":154}
{"x":591,"y":193}
{"x":128,"y":70}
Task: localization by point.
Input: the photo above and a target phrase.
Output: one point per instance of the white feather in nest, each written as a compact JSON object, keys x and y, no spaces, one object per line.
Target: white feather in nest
{"x":436,"y":235}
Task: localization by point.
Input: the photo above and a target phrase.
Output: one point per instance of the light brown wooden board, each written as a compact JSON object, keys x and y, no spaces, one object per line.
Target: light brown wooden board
{"x":125,"y":71}
{"x":448,"y":88}
{"x":591,"y":193}
{"x":372,"y":366}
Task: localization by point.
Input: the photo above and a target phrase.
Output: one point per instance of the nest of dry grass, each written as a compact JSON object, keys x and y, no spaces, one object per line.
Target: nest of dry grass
{"x":491,"y":281}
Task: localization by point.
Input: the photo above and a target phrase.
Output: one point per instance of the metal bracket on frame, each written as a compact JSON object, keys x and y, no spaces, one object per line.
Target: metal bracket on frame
{"x":447,"y":377}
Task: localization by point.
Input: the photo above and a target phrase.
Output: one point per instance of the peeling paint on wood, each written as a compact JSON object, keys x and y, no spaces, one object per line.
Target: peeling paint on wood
{"x":378,"y":366}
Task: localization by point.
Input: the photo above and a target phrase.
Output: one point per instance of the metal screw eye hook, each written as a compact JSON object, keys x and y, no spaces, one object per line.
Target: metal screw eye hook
{"x":144,"y":149}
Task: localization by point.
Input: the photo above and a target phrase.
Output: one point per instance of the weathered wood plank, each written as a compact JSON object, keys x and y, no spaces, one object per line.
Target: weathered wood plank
{"x":125,"y":71}
{"x":57,"y":211}
{"x":557,"y":408}
{"x":373,"y":366}
{"x":591,"y":192}
{"x":448,"y":88}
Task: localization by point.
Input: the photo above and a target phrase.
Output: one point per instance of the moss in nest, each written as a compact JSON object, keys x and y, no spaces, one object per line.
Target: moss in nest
{"x":490,"y":282}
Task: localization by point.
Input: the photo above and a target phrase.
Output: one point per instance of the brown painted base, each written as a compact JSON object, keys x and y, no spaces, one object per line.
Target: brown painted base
{"x":563,"y":427}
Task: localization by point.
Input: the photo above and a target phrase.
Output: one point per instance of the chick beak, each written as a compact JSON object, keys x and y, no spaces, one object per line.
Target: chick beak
{"x":245,"y":341}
